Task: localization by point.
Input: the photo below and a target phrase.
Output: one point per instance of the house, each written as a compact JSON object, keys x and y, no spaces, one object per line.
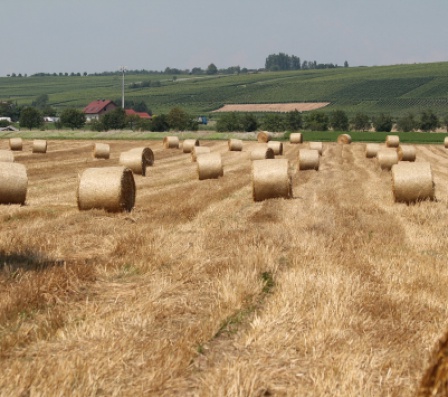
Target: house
{"x":9,"y":128}
{"x":8,"y":119}
{"x":142,"y":115}
{"x":51,"y":119}
{"x":95,"y":109}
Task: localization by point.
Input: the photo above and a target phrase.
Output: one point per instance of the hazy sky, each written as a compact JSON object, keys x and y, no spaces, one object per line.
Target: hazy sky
{"x":102,"y":35}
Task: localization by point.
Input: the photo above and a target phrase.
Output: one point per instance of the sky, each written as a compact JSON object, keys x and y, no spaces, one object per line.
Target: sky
{"x":54,"y":36}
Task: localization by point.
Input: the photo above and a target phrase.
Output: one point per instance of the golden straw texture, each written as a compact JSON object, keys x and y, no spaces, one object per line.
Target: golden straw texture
{"x":271,"y":179}
{"x":189,"y":144}
{"x":445,"y":142}
{"x":296,"y":137}
{"x":101,"y":151}
{"x":309,"y":159}
{"x":387,"y":157}
{"x":6,"y":156}
{"x":15,"y":143}
{"x":412,"y":182}
{"x":197,"y":151}
{"x":209,"y":166}
{"x":392,"y":141}
{"x":406,"y":153}
{"x":264,"y":136}
{"x":171,"y":142}
{"x":235,"y":145}
{"x":344,"y":139}
{"x":13,"y":183}
{"x":260,"y":153}
{"x":137,"y":159}
{"x":372,"y":150}
{"x":319,"y":146}
{"x":277,"y":147}
{"x":39,"y":146}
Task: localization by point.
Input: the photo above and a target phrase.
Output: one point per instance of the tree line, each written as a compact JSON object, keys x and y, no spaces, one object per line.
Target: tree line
{"x":282,"y":61}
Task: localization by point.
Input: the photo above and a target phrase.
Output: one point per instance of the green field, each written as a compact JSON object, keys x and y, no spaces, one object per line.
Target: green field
{"x":395,"y":90}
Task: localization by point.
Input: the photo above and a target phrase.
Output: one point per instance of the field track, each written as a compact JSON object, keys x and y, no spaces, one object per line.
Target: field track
{"x":200,"y":291}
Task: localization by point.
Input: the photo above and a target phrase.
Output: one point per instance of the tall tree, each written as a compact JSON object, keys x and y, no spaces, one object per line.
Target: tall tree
{"x":73,"y":118}
{"x":30,"y":118}
{"x":339,"y":120}
{"x":360,"y":122}
{"x":429,"y":121}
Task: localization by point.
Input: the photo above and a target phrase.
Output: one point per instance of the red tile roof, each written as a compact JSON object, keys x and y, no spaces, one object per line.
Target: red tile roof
{"x":143,"y":115}
{"x":96,"y":107}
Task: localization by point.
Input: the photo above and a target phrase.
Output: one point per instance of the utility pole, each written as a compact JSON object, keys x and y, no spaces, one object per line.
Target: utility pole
{"x":123,"y":69}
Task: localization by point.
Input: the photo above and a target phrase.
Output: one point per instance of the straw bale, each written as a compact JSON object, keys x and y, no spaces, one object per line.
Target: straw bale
{"x":137,"y":159}
{"x":319,"y":146}
{"x":171,"y":142}
{"x":392,"y":141}
{"x":344,"y":139}
{"x":198,"y":150}
{"x":296,"y":137}
{"x":372,"y":150}
{"x":6,"y":156}
{"x":309,"y":159}
{"x":39,"y":146}
{"x":387,"y":157}
{"x":406,"y":153}
{"x":13,"y":183}
{"x":101,"y":151}
{"x":209,"y":166}
{"x":15,"y":143}
{"x":277,"y":147}
{"x":445,"y":142}
{"x":108,"y":188}
{"x":264,"y":136}
{"x":271,"y":179}
{"x":189,"y":144}
{"x":412,"y":182}
{"x":235,"y":145}
{"x":261,"y":153}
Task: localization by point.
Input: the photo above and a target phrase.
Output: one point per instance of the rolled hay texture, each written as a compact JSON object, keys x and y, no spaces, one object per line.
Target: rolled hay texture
{"x":277,"y":147}
{"x":13,"y":183}
{"x":6,"y":156}
{"x":101,"y":151}
{"x":309,"y":159}
{"x":392,"y":141}
{"x":137,"y":159}
{"x":189,"y":144}
{"x":344,"y":139}
{"x":198,"y":151}
{"x":209,"y":166}
{"x":15,"y":143}
{"x":372,"y":150}
{"x":108,"y":188}
{"x":262,"y":153}
{"x":264,"y":136}
{"x":171,"y":142}
{"x":445,"y":142}
{"x":387,"y":158}
{"x":412,"y":182}
{"x":39,"y":146}
{"x":406,"y":153}
{"x":296,"y":137}
{"x":319,"y":146}
{"x":235,"y":145}
{"x":271,"y":179}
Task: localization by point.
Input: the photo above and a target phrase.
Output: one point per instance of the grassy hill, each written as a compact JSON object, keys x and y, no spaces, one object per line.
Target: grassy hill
{"x":394,"y":89}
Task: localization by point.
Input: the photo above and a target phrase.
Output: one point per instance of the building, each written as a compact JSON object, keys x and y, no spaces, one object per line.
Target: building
{"x":142,"y":115}
{"x":95,"y":109}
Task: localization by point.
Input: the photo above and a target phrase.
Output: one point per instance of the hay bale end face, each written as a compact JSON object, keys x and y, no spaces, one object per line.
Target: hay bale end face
{"x":171,"y":142}
{"x":137,"y":160}
{"x":6,"y":156}
{"x":406,"y":153}
{"x":108,"y":188}
{"x":13,"y":183}
{"x":372,"y":150}
{"x":277,"y":147}
{"x":309,"y":159}
{"x":209,"y":166}
{"x":412,"y":182}
{"x":319,"y":146}
{"x":15,"y":144}
{"x":445,"y":142}
{"x":101,"y":151}
{"x":39,"y":146}
{"x":344,"y":139}
{"x":189,"y":144}
{"x":392,"y":141}
{"x":235,"y":145}
{"x":387,"y":158}
{"x":271,"y":179}
{"x":198,"y":151}
{"x":296,"y":137}
{"x":264,"y":136}
{"x":262,"y":153}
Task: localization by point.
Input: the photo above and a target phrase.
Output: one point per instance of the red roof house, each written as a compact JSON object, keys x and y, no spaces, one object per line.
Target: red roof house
{"x":96,"y":109}
{"x":142,"y":115}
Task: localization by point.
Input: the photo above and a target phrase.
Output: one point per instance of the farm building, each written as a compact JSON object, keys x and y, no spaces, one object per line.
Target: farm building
{"x":142,"y":115}
{"x":95,"y":109}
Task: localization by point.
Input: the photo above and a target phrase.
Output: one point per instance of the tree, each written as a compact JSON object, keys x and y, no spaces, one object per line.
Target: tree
{"x":228,"y":122}
{"x":73,"y":118}
{"x":159,"y":123}
{"x":30,"y":118}
{"x":293,"y":120}
{"x":114,"y":120}
{"x":316,"y":121}
{"x":407,"y":123}
{"x":428,"y":121}
{"x":273,"y":122}
{"x":41,"y":102}
{"x":383,"y":123}
{"x":360,"y":122}
{"x":178,"y":119}
{"x":212,"y":69}
{"x":248,"y":122}
{"x":339,"y":120}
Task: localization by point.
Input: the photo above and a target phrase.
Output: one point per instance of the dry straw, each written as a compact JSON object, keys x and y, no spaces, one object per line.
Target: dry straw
{"x":6,"y":156}
{"x":372,"y":150}
{"x":296,"y":137}
{"x":13,"y":183}
{"x":406,"y":153}
{"x":412,"y":182}
{"x":277,"y":147}
{"x":319,"y":146}
{"x":309,"y":159}
{"x":137,"y":159}
{"x":235,"y":145}
{"x":189,"y":144}
{"x":108,"y":188}
{"x":209,"y":166}
{"x":101,"y":151}
{"x":264,"y":136}
{"x":198,"y":151}
{"x":387,"y":158}
{"x":39,"y":146}
{"x":171,"y":142}
{"x":262,"y":153}
{"x":15,"y":143}
{"x":445,"y":142}
{"x":344,"y":139}
{"x":271,"y":179}
{"x":392,"y":141}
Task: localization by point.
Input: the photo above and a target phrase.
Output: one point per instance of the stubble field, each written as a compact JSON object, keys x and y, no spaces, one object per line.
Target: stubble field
{"x":200,"y":291}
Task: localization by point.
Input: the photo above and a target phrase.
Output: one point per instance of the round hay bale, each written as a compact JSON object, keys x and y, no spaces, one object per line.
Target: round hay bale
{"x":372,"y":150}
{"x":209,"y":166}
{"x":235,"y":145}
{"x":108,"y":188}
{"x":171,"y":142}
{"x":137,"y":159}
{"x":296,"y":137}
{"x":39,"y":146}
{"x":15,"y":144}
{"x":406,"y":153}
{"x":445,"y":142}
{"x":197,"y":151}
{"x":277,"y":147}
{"x":262,"y":153}
{"x":13,"y":183}
{"x":392,"y":141}
{"x":271,"y":179}
{"x":189,"y":144}
{"x":319,"y":146}
{"x":101,"y":151}
{"x":264,"y":136}
{"x":6,"y":156}
{"x":344,"y":139}
{"x":412,"y":182}
{"x":309,"y":159}
{"x":387,"y":158}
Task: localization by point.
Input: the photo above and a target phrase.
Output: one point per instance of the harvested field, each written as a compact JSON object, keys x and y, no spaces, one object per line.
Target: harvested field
{"x":273,"y":107}
{"x":200,"y":291}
